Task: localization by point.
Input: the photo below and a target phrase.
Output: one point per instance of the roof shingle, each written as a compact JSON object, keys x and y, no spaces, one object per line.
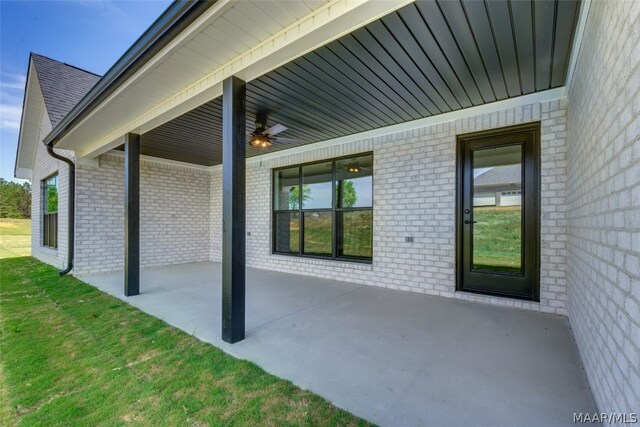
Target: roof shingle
{"x":63,"y":85}
{"x":499,"y":175}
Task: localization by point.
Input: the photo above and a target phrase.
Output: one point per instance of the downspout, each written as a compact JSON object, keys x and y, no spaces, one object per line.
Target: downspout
{"x":71,"y":208}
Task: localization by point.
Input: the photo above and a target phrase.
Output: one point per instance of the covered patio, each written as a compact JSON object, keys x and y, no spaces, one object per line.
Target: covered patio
{"x":338,"y":78}
{"x":178,"y":203}
{"x":392,"y":357}
{"x":184,"y":150}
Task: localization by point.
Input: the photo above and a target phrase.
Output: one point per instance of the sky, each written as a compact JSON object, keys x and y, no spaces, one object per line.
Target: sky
{"x":89,"y":34}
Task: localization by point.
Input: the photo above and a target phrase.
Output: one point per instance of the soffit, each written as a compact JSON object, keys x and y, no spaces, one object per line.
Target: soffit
{"x":237,"y":26}
{"x":425,"y":59}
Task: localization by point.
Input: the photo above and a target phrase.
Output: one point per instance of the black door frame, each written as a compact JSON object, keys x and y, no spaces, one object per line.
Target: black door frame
{"x":530,"y":244}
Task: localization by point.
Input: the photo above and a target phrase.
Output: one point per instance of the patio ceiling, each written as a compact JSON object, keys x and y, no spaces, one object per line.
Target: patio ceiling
{"x":426,"y":58}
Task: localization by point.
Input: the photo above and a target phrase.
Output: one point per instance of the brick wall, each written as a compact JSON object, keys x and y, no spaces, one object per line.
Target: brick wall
{"x":215,"y":214}
{"x":44,"y":166}
{"x":174,"y":215}
{"x":604,"y":204}
{"x":414,"y":193}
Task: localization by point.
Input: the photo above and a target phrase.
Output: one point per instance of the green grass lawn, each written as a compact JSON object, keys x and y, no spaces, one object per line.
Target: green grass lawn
{"x":15,"y":237}
{"x":72,"y":355}
{"x":497,"y":238}
{"x":357,"y":234}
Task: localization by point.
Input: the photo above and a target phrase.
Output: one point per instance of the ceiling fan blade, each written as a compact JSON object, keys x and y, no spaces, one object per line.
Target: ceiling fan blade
{"x":286,"y":140}
{"x":273,"y":130}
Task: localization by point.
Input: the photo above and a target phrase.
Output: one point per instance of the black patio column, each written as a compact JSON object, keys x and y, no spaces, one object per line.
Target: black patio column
{"x":132,"y":215}
{"x":233,"y":209}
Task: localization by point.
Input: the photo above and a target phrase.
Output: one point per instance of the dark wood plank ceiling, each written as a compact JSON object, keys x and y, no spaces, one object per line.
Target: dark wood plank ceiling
{"x":428,"y":58}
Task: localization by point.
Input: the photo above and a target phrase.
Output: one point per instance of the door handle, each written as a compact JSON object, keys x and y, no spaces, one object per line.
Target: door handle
{"x":468,"y":221}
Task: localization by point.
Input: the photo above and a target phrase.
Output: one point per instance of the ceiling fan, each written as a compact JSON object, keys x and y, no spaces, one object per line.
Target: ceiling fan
{"x":355,"y":167}
{"x":262,"y":137}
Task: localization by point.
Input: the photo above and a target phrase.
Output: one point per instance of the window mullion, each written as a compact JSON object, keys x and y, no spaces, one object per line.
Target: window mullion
{"x":300,"y":213}
{"x":334,"y":202}
{"x":359,"y":218}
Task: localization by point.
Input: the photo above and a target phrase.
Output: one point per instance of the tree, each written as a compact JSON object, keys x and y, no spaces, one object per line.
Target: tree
{"x":294,"y":196}
{"x":15,"y":199}
{"x":52,"y":198}
{"x":348,"y":191}
{"x":349,"y":194}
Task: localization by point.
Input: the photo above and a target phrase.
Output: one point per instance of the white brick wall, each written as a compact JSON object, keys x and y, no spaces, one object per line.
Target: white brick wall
{"x":44,"y":166}
{"x":604,"y":204}
{"x":174,"y":215}
{"x":414,"y":195}
{"x":215,"y":214}
{"x":590,"y":202}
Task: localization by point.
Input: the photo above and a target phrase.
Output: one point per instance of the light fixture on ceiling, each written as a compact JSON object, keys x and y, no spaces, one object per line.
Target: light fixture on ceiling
{"x":262,"y":138}
{"x":353,"y":167}
{"x":260,"y":141}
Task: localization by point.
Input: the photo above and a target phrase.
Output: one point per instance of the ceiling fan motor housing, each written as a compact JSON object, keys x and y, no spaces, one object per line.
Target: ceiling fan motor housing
{"x":261,"y":123}
{"x":259,"y":140}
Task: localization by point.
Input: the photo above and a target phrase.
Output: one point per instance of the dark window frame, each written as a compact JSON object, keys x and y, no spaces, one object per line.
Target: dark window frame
{"x":531,"y":245}
{"x":333,"y":209}
{"x":49,"y":228}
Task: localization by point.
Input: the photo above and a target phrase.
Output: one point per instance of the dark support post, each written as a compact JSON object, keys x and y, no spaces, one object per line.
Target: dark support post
{"x":132,"y":215}
{"x":233,"y":209}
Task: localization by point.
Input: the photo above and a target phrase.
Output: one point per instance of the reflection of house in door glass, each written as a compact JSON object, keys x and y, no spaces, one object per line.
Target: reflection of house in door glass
{"x":497,"y":208}
{"x":498,"y":186}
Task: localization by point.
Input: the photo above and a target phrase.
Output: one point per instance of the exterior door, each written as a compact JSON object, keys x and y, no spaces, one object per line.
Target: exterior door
{"x":498,"y":212}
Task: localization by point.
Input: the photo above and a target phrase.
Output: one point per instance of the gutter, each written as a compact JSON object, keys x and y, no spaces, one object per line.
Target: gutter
{"x":178,"y":16}
{"x":71,"y":208}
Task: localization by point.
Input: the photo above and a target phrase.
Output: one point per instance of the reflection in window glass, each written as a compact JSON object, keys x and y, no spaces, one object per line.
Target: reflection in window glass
{"x":325,"y":209}
{"x":355,"y":233}
{"x":51,"y":195}
{"x":354,"y":186}
{"x":286,"y":195}
{"x":497,"y":209}
{"x":287,"y":232}
{"x":317,"y":233}
{"x":50,"y":212}
{"x":316,"y":186}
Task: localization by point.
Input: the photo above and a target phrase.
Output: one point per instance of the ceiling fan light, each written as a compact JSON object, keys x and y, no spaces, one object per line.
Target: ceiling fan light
{"x":353,"y":167}
{"x":260,"y":141}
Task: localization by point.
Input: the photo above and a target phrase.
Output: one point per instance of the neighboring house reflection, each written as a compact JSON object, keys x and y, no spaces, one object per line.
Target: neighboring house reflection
{"x":498,"y":186}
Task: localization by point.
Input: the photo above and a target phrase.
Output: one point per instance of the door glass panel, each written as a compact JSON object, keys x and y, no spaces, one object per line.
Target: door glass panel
{"x":496,"y":233}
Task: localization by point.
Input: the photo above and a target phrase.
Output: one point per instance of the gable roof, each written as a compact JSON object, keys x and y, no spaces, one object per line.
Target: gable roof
{"x":62,"y":85}
{"x":499,"y":175}
{"x":52,"y":86}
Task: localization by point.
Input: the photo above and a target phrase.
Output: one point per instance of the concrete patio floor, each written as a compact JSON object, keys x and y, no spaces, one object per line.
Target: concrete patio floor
{"x":394,"y":358}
